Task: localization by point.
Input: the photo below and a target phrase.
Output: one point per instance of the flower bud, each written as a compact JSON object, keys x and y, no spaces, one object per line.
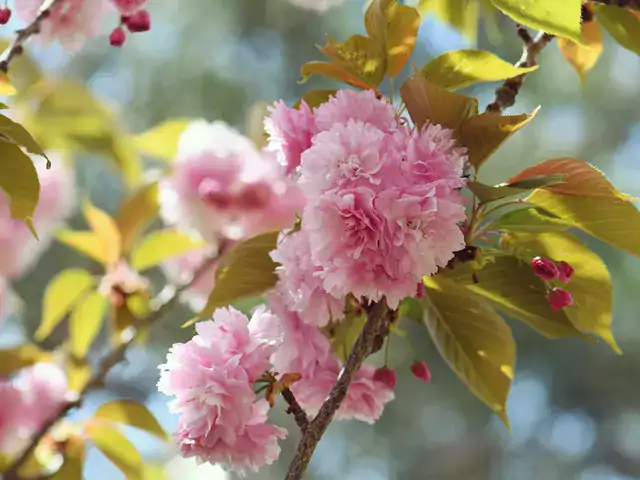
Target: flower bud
{"x":421,"y":371}
{"x":559,"y":299}
{"x":545,"y":268}
{"x":5,"y":15}
{"x":386,"y":376}
{"x":566,"y":271}
{"x":117,"y":37}
{"x":140,"y":21}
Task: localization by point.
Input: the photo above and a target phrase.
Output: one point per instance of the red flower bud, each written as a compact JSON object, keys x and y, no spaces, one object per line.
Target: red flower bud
{"x":386,"y":376}
{"x":545,"y":268}
{"x":421,"y":371}
{"x":139,"y":22}
{"x":5,"y":15}
{"x":559,"y":299}
{"x":566,"y":272}
{"x":117,"y":37}
{"x":420,"y":291}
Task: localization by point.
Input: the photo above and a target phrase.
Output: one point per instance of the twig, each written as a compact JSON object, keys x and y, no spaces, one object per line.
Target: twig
{"x":112,"y":358}
{"x":369,"y":341}
{"x":16,"y":47}
{"x":294,"y":407}
{"x":506,"y":94}
{"x":632,"y":4}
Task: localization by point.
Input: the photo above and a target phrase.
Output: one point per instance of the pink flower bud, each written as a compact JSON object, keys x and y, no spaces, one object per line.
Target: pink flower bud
{"x":545,"y":268}
{"x":559,"y":299}
{"x":420,"y":292}
{"x":421,"y":371}
{"x":566,"y":271}
{"x":140,"y":21}
{"x":128,"y":6}
{"x":117,"y":37}
{"x":386,"y":376}
{"x":5,"y":15}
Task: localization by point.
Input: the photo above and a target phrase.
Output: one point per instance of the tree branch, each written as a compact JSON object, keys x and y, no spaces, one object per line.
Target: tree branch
{"x":294,"y":407}
{"x":506,"y":94}
{"x":369,"y":341}
{"x":632,"y":4}
{"x":16,"y":47}
{"x":116,"y":355}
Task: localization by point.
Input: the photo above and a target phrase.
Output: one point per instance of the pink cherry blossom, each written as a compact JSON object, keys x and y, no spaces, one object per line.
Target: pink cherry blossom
{"x":127,"y":7}
{"x":290,"y":131}
{"x":359,"y":106}
{"x":300,"y":284}
{"x":71,"y":22}
{"x":19,"y":250}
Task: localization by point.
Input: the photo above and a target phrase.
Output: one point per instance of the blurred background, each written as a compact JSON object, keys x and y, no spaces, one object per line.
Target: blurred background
{"x":574,"y":408}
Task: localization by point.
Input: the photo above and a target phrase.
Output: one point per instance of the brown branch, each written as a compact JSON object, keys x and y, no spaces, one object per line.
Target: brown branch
{"x":369,"y":341}
{"x":22,"y":36}
{"x":506,"y":94}
{"x":294,"y":407}
{"x":116,"y":355}
{"x":632,"y":4}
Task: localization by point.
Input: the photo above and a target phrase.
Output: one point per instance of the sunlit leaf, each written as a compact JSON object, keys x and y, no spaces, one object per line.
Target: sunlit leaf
{"x":85,"y":322}
{"x":426,"y":101}
{"x":63,"y":291}
{"x":583,"y":57}
{"x":474,"y":340}
{"x":559,"y":18}
{"x":136,"y":213}
{"x":484,"y":134}
{"x":531,"y":220}
{"x":73,"y":457}
{"x":315,"y":98}
{"x":130,"y":413}
{"x":488,"y":193}
{"x":160,"y":246}
{"x":461,"y":68}
{"x":78,"y":372}
{"x":623,"y":25}
{"x":246,"y":271}
{"x":20,"y":135}
{"x":462,"y":15}
{"x":161,"y":141}
{"x":19,"y":180}
{"x":117,"y":448}
{"x":106,"y":230}
{"x":5,"y":86}
{"x":87,"y":243}
{"x":590,"y":285}
{"x":13,"y":359}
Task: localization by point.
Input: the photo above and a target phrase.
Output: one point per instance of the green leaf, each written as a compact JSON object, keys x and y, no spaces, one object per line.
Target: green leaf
{"x":315,"y":98}
{"x":130,"y":413}
{"x":106,"y":229}
{"x":427,"y":102}
{"x":512,"y":287}
{"x":62,"y":293}
{"x":85,"y":322}
{"x":622,"y":24}
{"x":560,"y":18}
{"x":117,"y":448}
{"x":462,"y":68}
{"x":13,"y":359}
{"x":161,"y":141}
{"x":136,"y":213}
{"x":246,"y":271}
{"x":19,"y":180}
{"x":20,"y":135}
{"x":344,"y":335}
{"x":590,"y":285}
{"x":537,"y":181}
{"x":411,"y":308}
{"x":6,"y":88}
{"x":160,"y":246}
{"x":484,"y":134}
{"x":488,"y":193}
{"x":531,"y":220}
{"x":474,"y":340}
{"x":87,"y":243}
{"x":583,"y":57}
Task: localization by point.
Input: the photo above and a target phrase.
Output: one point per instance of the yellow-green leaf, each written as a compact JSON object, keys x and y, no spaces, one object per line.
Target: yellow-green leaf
{"x":484,"y":134}
{"x":62,"y":293}
{"x":344,"y":335}
{"x":19,"y":180}
{"x":136,"y":213}
{"x":531,"y":220}
{"x":254,"y":123}
{"x":583,"y":57}
{"x":590,"y":285}
{"x":246,"y":271}
{"x":13,"y":359}
{"x":462,"y":15}
{"x":85,"y":322}
{"x":130,"y":413}
{"x":474,"y":340}
{"x":161,"y":141}
{"x":87,"y":243}
{"x":73,"y":457}
{"x":462,"y":68}
{"x":427,"y":102}
{"x":560,"y":18}
{"x":315,"y":98}
{"x":6,"y":88}
{"x":622,"y":24}
{"x":511,"y":286}
{"x":78,"y":373}
{"x":160,"y":246}
{"x":488,"y":193}
{"x":117,"y":448}
{"x":20,"y":135}
{"x":106,"y":229}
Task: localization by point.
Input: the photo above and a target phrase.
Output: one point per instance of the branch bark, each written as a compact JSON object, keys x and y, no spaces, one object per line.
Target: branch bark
{"x":294,"y":408}
{"x":109,"y":361}
{"x":506,"y":94}
{"x":632,"y":4}
{"x":369,"y":341}
{"x":23,"y":35}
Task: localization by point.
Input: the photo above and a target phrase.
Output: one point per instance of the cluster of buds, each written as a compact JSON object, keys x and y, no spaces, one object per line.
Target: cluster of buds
{"x":387,"y":376}
{"x":549,"y":270}
{"x":135,"y":18}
